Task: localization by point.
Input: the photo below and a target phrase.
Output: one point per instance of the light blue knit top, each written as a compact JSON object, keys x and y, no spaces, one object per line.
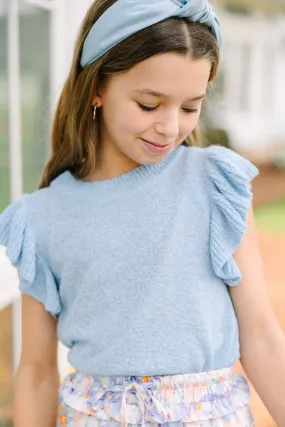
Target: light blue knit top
{"x":136,"y":268}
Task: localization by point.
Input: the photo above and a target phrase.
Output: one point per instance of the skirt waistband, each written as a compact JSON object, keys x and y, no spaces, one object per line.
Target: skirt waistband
{"x":156,"y":399}
{"x":85,"y":382}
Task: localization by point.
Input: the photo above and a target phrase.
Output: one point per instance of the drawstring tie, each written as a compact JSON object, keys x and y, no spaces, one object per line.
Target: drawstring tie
{"x":143,"y":394}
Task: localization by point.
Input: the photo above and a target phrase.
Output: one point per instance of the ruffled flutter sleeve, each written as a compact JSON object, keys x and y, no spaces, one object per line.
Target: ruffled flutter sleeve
{"x":36,"y":278}
{"x":230,"y":177}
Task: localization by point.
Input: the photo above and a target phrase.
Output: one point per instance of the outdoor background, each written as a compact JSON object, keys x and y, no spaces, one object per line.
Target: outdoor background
{"x":246,"y":112}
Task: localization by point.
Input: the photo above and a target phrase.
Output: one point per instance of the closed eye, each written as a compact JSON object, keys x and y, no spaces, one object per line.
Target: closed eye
{"x":149,"y":109}
{"x":145,"y":108}
{"x":191,"y":110}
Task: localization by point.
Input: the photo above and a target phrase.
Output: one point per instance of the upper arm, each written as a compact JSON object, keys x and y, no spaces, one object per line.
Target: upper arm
{"x":250,"y":298}
{"x":39,"y":338}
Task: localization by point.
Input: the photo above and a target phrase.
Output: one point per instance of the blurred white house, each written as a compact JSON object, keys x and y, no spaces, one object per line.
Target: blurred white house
{"x":249,"y":97}
{"x":252,"y":91}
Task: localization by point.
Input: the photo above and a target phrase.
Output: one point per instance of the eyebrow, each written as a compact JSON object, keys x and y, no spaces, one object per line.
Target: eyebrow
{"x":162,"y":95}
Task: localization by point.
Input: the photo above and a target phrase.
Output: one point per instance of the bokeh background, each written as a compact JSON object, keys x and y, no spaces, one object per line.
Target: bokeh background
{"x":245,"y":111}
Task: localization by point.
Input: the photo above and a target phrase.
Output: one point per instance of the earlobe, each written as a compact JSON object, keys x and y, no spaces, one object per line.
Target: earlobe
{"x":97,"y":101}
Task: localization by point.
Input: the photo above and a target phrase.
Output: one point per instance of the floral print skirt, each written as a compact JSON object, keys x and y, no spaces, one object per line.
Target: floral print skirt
{"x":210,"y":399}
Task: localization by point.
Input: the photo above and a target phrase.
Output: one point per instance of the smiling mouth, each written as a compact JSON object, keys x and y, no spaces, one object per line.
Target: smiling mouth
{"x":155,"y":144}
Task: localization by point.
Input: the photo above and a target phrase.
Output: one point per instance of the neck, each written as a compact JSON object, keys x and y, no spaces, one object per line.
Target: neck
{"x":111,"y":163}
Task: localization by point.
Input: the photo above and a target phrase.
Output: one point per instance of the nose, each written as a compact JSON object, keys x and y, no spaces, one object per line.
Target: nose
{"x":168,"y":125}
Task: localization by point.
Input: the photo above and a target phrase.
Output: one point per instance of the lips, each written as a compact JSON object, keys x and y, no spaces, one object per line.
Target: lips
{"x":156,"y":144}
{"x":155,"y":148}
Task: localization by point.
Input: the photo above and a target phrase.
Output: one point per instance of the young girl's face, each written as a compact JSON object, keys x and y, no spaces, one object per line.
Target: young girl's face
{"x":150,"y":109}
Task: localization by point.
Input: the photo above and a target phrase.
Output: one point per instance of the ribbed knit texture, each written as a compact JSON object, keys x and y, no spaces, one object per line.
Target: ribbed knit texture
{"x":136,"y":268}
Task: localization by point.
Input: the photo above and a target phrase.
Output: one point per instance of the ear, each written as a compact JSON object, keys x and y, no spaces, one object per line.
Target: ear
{"x":97,"y":100}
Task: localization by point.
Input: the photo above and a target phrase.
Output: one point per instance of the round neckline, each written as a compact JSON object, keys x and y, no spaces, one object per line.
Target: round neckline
{"x":128,"y":181}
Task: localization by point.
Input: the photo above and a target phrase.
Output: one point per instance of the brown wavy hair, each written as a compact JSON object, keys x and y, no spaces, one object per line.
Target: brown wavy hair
{"x":75,"y":135}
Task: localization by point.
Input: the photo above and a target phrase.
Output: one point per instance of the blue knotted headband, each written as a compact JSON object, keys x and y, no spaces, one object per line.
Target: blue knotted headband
{"x":126,"y":17}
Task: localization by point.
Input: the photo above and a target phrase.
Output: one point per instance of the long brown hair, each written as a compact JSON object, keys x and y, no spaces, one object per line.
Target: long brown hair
{"x":75,"y":135}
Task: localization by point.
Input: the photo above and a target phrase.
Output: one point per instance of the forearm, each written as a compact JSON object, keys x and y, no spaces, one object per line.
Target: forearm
{"x":263,"y":359}
{"x":35,"y":398}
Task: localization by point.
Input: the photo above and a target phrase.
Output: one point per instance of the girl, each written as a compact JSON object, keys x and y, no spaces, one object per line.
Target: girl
{"x":139,"y":248}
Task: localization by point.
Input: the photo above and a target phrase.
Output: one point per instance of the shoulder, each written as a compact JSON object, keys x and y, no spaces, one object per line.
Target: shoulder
{"x":218,"y":167}
{"x":229,"y":179}
{"x":223,"y":160}
{"x":217,"y":158}
{"x":40,"y":202}
{"x":25,"y":221}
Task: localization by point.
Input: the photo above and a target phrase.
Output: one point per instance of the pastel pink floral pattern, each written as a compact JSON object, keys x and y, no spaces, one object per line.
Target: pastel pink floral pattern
{"x":213,"y":399}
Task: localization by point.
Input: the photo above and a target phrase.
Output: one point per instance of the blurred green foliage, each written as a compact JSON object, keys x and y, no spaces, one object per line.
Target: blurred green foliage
{"x":215,"y":136}
{"x":271,"y":217}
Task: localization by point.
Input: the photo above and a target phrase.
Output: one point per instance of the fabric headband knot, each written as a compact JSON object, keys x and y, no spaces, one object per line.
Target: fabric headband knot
{"x":127,"y":17}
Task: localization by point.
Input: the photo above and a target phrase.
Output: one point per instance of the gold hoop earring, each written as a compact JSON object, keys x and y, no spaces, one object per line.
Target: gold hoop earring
{"x":94,"y":112}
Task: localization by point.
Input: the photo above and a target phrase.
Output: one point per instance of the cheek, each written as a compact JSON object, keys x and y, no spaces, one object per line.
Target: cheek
{"x":129,"y":119}
{"x":189,"y":124}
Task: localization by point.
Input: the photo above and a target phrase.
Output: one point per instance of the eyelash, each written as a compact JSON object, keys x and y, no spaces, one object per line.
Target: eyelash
{"x":150,"y":109}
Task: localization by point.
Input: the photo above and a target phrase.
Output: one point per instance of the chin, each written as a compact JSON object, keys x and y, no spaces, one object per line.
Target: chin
{"x":142,"y":157}
{"x":152,"y":160}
